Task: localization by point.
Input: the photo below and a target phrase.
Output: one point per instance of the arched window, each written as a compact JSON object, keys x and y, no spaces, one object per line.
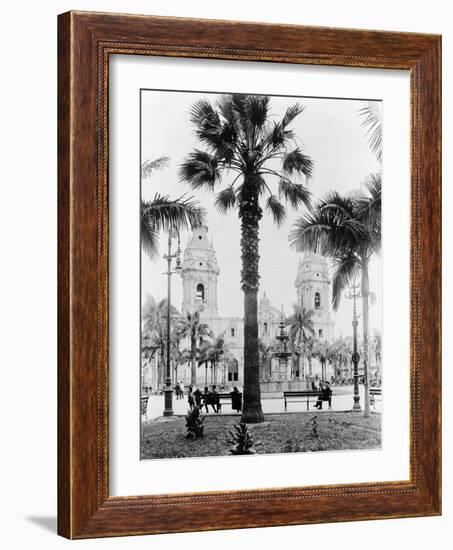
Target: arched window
{"x":317,"y":300}
{"x":265,"y":328}
{"x":200,"y":292}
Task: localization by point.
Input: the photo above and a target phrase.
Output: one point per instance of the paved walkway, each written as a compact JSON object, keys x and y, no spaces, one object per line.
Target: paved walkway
{"x":342,"y":400}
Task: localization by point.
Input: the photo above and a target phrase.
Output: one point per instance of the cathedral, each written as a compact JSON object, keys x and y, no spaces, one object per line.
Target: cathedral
{"x":200,"y":272}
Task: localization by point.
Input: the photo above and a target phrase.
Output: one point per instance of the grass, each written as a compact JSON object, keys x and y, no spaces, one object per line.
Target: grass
{"x":280,"y":433}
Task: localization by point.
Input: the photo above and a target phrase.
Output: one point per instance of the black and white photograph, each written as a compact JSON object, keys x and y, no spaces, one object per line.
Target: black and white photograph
{"x":261,"y":274}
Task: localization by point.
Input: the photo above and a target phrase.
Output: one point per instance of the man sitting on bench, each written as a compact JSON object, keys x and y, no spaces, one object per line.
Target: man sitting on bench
{"x":325,"y":395}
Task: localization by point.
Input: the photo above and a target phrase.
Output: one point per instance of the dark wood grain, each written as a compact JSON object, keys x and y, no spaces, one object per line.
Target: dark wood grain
{"x":85,"y":42}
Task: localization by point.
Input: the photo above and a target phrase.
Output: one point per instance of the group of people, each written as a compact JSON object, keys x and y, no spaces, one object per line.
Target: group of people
{"x":179,"y":390}
{"x":325,"y":393}
{"x":211,"y":397}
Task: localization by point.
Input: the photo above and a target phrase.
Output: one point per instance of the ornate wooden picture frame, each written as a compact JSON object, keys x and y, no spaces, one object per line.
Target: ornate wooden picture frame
{"x":86,"y":41}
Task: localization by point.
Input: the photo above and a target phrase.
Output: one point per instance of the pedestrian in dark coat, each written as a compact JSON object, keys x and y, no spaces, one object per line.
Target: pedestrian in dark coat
{"x":215,"y":399}
{"x":198,"y":396}
{"x":236,"y":400}
{"x":190,"y":397}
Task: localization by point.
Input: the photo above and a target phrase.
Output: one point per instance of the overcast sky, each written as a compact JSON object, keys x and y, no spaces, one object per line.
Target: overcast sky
{"x":329,"y":131}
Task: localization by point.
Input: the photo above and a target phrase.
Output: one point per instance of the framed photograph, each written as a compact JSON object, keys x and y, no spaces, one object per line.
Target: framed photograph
{"x":249,"y":275}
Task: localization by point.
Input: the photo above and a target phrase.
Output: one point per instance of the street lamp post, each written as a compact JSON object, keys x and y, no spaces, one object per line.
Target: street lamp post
{"x":168,"y":391}
{"x":354,"y":294}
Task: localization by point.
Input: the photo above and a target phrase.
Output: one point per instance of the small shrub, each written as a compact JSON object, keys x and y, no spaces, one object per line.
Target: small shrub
{"x":241,"y":440}
{"x":194,"y":424}
{"x":314,"y":427}
{"x":291,"y":446}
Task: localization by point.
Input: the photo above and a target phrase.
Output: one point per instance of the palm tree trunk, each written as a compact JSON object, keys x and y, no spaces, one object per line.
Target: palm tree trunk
{"x":365,"y":315}
{"x":193,"y":366}
{"x":250,"y":215}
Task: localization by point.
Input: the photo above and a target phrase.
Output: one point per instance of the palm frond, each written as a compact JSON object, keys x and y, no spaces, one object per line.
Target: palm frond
{"x":256,"y":109}
{"x":149,"y":236}
{"x":163,"y":214}
{"x":369,"y":211}
{"x":200,"y":169}
{"x":276,"y":208}
{"x":226,"y":108}
{"x":149,"y":166}
{"x":218,"y":134}
{"x":291,"y":113}
{"x":301,"y":324}
{"x":295,"y":193}
{"x":372,"y":121}
{"x":345,"y":270}
{"x":311,"y":232}
{"x":203,"y":114}
{"x":296,"y":162}
{"x":343,"y":207}
{"x":373,"y":184}
{"x":225,"y":199}
{"x":277,"y":137}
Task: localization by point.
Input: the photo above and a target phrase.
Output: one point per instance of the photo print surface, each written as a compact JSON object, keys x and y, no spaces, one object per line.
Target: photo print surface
{"x":261,"y":274}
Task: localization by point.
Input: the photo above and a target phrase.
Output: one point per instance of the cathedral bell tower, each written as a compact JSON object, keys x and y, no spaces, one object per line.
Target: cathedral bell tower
{"x":313,"y":293}
{"x":199,"y":275}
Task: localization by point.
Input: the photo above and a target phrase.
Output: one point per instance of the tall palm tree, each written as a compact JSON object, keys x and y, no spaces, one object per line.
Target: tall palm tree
{"x":193,"y":328}
{"x":348,"y":230}
{"x":309,"y":347}
{"x":163,"y":213}
{"x":300,"y":327}
{"x":240,"y":136}
{"x":321,"y":351}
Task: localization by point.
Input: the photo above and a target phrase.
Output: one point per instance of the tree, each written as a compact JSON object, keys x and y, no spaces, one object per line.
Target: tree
{"x":378,"y":353}
{"x":240,"y":136}
{"x":193,"y":328}
{"x":264,"y":354}
{"x":163,"y":213}
{"x":308,"y":348}
{"x":154,"y":330}
{"x":321,"y":351}
{"x":300,"y":328}
{"x":348,"y":230}
{"x":213,"y":350}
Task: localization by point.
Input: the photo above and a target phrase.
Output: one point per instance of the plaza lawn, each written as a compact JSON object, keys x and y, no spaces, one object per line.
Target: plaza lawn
{"x":279,"y":433}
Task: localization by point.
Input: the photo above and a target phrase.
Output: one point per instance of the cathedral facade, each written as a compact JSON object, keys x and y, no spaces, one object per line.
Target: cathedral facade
{"x":200,"y":272}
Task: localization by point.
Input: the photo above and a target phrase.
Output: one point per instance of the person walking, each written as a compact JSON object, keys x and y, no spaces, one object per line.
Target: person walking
{"x":215,"y":399}
{"x":190,"y":397}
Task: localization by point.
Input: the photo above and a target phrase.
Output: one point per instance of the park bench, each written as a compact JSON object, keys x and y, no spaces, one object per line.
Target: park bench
{"x":144,"y":405}
{"x":302,"y":396}
{"x":225,"y":398}
{"x":375,"y":392}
